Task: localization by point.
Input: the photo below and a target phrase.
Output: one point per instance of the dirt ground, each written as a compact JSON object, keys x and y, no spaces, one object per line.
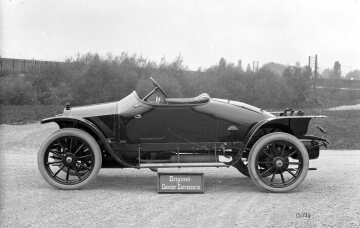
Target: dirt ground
{"x":329,"y":197}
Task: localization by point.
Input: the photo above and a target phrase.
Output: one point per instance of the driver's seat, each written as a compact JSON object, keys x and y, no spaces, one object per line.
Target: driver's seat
{"x":202,"y":98}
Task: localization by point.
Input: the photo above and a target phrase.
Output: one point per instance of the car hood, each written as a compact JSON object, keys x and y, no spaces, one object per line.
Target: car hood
{"x":92,"y":110}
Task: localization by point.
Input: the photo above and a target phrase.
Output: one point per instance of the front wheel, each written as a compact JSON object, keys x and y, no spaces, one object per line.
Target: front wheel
{"x":278,"y":162}
{"x":69,"y":159}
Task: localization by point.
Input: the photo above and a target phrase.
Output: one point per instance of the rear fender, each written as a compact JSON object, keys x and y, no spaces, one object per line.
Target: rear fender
{"x":294,"y":125}
{"x":75,"y":122}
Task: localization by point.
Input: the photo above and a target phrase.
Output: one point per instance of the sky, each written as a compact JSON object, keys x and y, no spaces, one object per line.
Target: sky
{"x":201,"y":31}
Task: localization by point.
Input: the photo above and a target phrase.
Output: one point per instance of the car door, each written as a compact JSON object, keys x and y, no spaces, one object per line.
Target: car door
{"x":170,"y":124}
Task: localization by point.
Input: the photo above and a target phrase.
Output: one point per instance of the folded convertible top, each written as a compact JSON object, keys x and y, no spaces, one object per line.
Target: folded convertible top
{"x":202,"y":98}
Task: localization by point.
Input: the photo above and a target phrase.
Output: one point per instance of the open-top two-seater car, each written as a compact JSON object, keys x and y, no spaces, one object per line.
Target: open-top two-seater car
{"x":160,"y":132}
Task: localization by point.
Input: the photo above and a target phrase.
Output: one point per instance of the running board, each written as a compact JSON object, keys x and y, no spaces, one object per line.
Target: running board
{"x":178,"y":165}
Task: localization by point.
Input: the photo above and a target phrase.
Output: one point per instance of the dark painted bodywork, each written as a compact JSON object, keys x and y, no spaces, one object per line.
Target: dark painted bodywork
{"x":133,"y":131}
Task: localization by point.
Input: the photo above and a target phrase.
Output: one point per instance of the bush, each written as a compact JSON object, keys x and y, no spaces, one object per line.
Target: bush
{"x":16,"y":90}
{"x":89,"y":78}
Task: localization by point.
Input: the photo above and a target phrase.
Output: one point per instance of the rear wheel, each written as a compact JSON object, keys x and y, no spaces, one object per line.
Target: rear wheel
{"x":69,"y":159}
{"x":278,"y":162}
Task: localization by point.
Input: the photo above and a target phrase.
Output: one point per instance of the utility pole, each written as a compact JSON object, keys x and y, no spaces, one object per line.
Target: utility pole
{"x":314,"y":61}
{"x":316,"y":73}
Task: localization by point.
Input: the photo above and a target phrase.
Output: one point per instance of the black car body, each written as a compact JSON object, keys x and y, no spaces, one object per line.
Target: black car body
{"x":157,"y":132}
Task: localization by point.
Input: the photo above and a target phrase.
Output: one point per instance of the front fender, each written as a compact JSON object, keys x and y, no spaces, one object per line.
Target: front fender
{"x":77,"y":122}
{"x":62,"y":120}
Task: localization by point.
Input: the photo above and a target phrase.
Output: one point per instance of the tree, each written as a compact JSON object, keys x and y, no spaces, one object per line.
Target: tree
{"x":306,"y":72}
{"x":239,"y":66}
{"x":248,"y":68}
{"x":326,"y":73}
{"x":222,"y":64}
{"x":288,"y":72}
{"x":337,"y":70}
{"x":298,"y":81}
{"x":355,"y":75}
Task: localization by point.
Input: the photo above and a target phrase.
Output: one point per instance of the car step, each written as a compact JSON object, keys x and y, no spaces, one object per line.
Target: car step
{"x":175,"y":165}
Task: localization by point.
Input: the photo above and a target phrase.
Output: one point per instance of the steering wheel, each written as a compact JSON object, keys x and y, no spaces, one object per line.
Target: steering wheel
{"x":158,"y":86}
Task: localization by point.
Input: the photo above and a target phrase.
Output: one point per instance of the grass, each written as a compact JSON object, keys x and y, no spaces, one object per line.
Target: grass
{"x":342,"y":126}
{"x":27,"y":113}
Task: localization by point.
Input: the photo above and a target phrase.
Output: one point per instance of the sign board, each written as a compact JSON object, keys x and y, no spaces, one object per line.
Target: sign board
{"x":181,"y":182}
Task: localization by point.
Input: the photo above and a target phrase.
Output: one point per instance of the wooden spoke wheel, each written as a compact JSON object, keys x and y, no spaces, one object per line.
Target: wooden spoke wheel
{"x":278,"y":162}
{"x":69,"y":159}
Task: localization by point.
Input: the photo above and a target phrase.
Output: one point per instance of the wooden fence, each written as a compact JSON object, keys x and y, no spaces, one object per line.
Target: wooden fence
{"x":338,"y":83}
{"x":24,"y":66}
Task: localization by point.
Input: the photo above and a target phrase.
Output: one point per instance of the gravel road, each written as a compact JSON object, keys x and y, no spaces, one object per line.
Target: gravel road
{"x":329,"y":197}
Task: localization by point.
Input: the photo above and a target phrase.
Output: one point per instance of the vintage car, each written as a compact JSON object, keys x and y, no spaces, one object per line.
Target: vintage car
{"x":160,"y":132}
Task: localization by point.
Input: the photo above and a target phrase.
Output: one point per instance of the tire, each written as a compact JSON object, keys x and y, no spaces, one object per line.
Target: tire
{"x":278,"y":154}
{"x":69,"y":159}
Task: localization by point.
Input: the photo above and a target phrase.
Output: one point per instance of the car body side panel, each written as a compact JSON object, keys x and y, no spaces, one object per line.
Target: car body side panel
{"x":105,"y":123}
{"x":177,"y":125}
{"x":140,"y":122}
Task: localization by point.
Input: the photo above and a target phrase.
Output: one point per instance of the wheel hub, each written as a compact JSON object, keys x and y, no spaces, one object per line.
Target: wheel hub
{"x":279,"y":162}
{"x":69,"y":159}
